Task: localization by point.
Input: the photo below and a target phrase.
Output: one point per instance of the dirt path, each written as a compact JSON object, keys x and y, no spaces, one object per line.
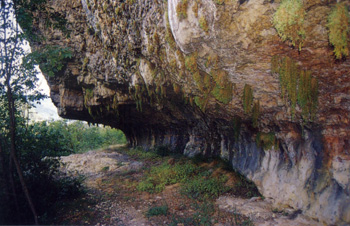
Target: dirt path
{"x":111,"y":178}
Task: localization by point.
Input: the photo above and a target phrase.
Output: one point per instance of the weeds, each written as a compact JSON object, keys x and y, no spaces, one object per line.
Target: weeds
{"x":157,"y":211}
{"x":160,"y":176}
{"x":141,"y":154}
{"x":201,"y":217}
{"x":203,"y":187}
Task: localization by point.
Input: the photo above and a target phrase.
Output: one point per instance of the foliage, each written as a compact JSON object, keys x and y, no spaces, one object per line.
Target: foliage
{"x":157,"y":211}
{"x":201,"y":102}
{"x":212,"y":61}
{"x":42,"y":141}
{"x":288,"y":21}
{"x":141,"y":154}
{"x":181,"y":9}
{"x":203,"y":24}
{"x":27,"y":12}
{"x":62,"y":137}
{"x":201,"y":217}
{"x":297,"y":86}
{"x":51,"y":59}
{"x":204,"y":186}
{"x":191,"y":63}
{"x":247,"y":98}
{"x":160,"y":176}
{"x":223,"y":89}
{"x":308,"y":95}
{"x":37,"y":146}
{"x":338,"y":26}
{"x":266,"y":140}
{"x":138,"y":93}
{"x":289,"y":74}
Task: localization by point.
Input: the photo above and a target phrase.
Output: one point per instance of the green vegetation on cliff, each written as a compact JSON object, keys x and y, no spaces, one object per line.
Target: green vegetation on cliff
{"x":181,"y":9}
{"x":297,"y":86}
{"x":289,"y":20}
{"x":266,"y":140}
{"x":247,"y":98}
{"x":338,"y":26}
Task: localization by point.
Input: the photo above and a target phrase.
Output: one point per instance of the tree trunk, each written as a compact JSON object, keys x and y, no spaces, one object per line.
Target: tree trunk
{"x":5,"y":174}
{"x":13,"y":190}
{"x":9,"y":54}
{"x":11,"y":106}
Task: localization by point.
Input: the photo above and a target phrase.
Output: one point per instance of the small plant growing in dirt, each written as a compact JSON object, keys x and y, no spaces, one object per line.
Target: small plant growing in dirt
{"x":105,"y":169}
{"x":288,"y":21}
{"x":338,"y":26}
{"x":203,"y":24}
{"x":160,"y":176}
{"x":204,"y":186}
{"x":157,"y":211}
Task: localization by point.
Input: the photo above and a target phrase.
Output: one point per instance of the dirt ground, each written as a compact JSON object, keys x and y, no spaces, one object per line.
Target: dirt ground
{"x":111,"y":198}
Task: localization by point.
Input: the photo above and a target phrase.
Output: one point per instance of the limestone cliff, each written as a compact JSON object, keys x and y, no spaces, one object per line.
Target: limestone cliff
{"x":213,"y":77}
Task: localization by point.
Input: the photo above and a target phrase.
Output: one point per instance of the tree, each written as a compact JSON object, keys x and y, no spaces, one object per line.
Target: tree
{"x":18,"y":81}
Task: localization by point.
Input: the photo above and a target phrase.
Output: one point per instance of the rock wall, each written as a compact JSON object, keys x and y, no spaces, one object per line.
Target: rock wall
{"x":200,"y":76}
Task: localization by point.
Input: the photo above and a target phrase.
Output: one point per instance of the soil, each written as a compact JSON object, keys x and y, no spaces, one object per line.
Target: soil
{"x":111,"y":197}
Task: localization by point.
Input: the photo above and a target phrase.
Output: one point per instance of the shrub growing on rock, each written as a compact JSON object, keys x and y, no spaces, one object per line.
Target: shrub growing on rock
{"x":338,"y":25}
{"x":288,"y":21}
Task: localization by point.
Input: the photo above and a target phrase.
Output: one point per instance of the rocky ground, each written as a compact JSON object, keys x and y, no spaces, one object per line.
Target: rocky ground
{"x":111,"y":198}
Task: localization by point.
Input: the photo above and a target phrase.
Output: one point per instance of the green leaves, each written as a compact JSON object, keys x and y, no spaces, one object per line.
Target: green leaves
{"x":289,"y":20}
{"x":338,"y":26}
{"x":51,"y":59}
{"x":247,"y":98}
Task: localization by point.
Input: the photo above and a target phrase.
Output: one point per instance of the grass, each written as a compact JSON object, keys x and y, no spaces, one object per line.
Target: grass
{"x":160,"y":176}
{"x":105,"y":169}
{"x":204,"y":186}
{"x":141,"y":154}
{"x":202,"y":216}
{"x":199,"y":181}
{"x":157,"y":211}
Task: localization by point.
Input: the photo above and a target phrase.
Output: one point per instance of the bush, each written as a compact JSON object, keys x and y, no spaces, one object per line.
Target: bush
{"x":37,"y":148}
{"x":157,"y":211}
{"x":202,"y":187}
{"x":338,"y":26}
{"x":160,"y":176}
{"x":288,"y":21}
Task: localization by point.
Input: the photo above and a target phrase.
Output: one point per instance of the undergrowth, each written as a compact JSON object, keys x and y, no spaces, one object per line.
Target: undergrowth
{"x":160,"y":176}
{"x":196,"y":179}
{"x":157,"y":211}
{"x":204,"y":186}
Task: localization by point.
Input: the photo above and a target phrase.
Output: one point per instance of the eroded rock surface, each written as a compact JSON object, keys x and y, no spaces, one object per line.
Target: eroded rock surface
{"x":97,"y":163}
{"x":262,"y":212}
{"x":168,"y":79}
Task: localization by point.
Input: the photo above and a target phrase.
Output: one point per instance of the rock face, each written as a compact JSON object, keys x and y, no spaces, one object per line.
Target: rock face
{"x":206,"y":77}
